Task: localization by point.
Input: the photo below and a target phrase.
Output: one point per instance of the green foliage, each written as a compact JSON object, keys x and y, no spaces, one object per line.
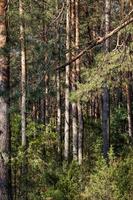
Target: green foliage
{"x":93,"y":142}
{"x":95,"y":180}
{"x":46,"y":178}
{"x":105,"y":69}
{"x":119,"y":135}
{"x":107,"y":182}
{"x":70,"y":182}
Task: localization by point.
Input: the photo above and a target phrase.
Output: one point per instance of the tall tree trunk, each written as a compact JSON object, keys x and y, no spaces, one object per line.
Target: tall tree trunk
{"x":23,"y":97}
{"x":58,"y":77}
{"x":105,"y":99}
{"x":23,"y":75}
{"x":46,"y":77}
{"x":5,"y":178}
{"x":67,"y":82}
{"x":58,"y":113}
{"x":73,"y":84}
{"x":79,"y":107}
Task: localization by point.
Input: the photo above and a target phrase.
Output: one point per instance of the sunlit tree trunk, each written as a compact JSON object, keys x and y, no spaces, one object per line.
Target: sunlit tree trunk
{"x":80,"y":133}
{"x":23,"y":97}
{"x":58,"y":111}
{"x":46,"y":107}
{"x":23,"y":75}
{"x":105,"y":98}
{"x":73,"y":84}
{"x":5,"y":178}
{"x":67,"y":82}
{"x":79,"y":107}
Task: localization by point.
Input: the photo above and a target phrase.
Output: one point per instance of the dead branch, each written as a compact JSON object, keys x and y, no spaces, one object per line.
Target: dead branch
{"x":128,"y":20}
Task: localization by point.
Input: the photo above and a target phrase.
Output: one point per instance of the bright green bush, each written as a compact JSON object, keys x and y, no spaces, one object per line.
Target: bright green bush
{"x":111,"y":181}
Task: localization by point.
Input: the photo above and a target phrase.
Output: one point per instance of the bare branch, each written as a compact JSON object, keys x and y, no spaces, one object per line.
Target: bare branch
{"x":58,"y":16}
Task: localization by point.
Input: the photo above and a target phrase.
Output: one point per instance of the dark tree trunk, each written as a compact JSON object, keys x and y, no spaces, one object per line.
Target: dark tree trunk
{"x":105,"y":121}
{"x":5,"y":175}
{"x":105,"y":98}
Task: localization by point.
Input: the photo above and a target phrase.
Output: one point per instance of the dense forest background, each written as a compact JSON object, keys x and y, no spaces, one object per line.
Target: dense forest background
{"x":66,"y":100}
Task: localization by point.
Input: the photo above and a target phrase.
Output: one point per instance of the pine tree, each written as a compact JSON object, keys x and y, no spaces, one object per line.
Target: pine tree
{"x":5,"y":178}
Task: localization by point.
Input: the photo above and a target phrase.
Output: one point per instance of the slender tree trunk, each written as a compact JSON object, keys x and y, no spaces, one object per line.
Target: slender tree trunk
{"x":67,"y":82}
{"x":5,"y":178}
{"x":105,"y":99}
{"x":46,"y":98}
{"x":23,"y":97}
{"x":58,"y":77}
{"x":73,"y":84}
{"x":105,"y":121}
{"x":59,"y":114}
{"x":42,"y":114}
{"x":75,"y":131}
{"x":107,"y":23}
{"x":80,"y":134}
{"x":79,"y":107}
{"x":46,"y":78}
{"x":23,"y":75}
{"x":129,"y":109}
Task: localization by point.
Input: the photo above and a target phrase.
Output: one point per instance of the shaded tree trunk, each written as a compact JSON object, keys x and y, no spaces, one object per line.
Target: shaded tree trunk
{"x":105,"y":98}
{"x":129,"y":107}
{"x":5,"y":176}
{"x":58,"y":84}
{"x":42,"y":114}
{"x":105,"y":121}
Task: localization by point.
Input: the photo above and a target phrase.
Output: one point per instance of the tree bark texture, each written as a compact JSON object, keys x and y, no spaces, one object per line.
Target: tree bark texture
{"x":5,"y":179}
{"x":67,"y":82}
{"x":105,"y":97}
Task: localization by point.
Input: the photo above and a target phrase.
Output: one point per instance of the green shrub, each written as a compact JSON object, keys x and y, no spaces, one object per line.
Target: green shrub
{"x":111,"y":182}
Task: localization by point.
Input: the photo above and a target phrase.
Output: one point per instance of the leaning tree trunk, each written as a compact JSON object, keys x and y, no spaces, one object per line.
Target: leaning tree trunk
{"x":105,"y":97}
{"x":5,"y":178}
{"x":67,"y":82}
